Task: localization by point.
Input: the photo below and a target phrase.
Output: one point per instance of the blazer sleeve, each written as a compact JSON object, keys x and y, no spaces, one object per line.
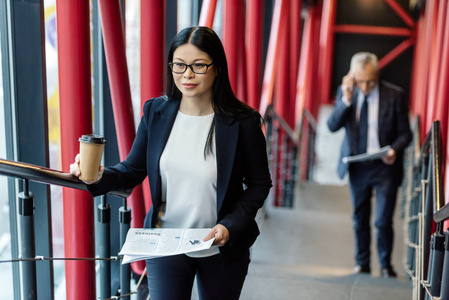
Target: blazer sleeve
{"x":132,"y":171}
{"x":256,"y":177}
{"x":340,"y":114}
{"x":404,"y":134}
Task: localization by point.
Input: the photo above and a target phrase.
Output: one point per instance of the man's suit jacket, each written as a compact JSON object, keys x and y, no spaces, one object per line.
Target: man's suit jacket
{"x":393,"y":125}
{"x":241,"y":158}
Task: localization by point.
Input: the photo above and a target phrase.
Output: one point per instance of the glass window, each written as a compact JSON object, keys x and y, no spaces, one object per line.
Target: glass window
{"x":54,"y":144}
{"x":5,"y":237}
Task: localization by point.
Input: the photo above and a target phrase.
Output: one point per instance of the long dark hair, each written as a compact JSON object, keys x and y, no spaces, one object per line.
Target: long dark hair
{"x":224,"y":102}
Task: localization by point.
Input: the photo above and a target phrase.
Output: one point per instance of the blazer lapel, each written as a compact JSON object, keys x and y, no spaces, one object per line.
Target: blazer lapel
{"x":161,"y":125}
{"x":226,"y":137}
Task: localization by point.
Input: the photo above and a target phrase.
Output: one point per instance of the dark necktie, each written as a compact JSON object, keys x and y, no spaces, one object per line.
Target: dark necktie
{"x":363,"y":127}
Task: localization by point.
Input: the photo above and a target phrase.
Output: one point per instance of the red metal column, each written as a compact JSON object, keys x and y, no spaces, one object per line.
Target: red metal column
{"x":282,"y":86}
{"x":417,"y":66}
{"x":430,"y":8}
{"x":231,"y":32}
{"x":266,"y":97}
{"x":242,"y":89}
{"x":114,"y":44}
{"x":254,"y":48}
{"x":152,"y":60}
{"x":443,"y":102}
{"x":207,"y":13}
{"x":152,"y":49}
{"x":436,"y":50}
{"x":75,"y":101}
{"x":295,"y":50}
{"x":305,"y":60}
{"x":326,"y":50}
{"x":314,"y":105}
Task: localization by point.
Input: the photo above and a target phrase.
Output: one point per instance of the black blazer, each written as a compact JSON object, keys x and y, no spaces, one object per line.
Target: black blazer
{"x":241,"y":159}
{"x":394,"y":126}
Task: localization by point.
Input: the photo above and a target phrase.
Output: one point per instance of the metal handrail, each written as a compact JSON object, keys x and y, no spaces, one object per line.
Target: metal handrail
{"x":293,"y":134}
{"x":47,"y":176}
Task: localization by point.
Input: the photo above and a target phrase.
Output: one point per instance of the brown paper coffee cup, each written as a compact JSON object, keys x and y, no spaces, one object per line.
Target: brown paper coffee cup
{"x":91,"y":152}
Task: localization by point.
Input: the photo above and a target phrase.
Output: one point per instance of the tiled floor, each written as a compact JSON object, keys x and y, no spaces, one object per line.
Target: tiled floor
{"x":307,"y":253}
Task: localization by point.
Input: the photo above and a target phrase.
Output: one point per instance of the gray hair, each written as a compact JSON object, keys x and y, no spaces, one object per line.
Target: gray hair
{"x":362,"y":59}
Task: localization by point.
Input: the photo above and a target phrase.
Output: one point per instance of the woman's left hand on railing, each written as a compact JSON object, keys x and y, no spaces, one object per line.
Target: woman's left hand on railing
{"x":75,"y":170}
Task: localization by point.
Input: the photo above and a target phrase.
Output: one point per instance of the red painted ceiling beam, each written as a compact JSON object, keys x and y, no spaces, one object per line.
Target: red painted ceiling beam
{"x":401,"y":13}
{"x":398,"y":50}
{"x":377,"y":30}
{"x":75,"y":105}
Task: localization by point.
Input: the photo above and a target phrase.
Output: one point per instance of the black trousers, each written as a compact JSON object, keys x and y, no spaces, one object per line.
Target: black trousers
{"x":364,"y":178}
{"x":172,"y":277}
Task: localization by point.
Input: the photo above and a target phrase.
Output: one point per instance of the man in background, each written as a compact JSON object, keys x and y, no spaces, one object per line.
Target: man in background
{"x":374,"y":115}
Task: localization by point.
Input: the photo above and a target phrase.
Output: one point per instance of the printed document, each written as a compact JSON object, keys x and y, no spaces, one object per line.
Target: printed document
{"x":367,"y":156}
{"x":143,"y":243}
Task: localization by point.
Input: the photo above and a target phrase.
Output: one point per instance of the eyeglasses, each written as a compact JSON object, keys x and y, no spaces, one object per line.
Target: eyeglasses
{"x":180,"y":68}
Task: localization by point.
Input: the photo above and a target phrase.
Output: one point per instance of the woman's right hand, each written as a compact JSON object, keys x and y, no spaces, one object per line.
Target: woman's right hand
{"x":75,"y":170}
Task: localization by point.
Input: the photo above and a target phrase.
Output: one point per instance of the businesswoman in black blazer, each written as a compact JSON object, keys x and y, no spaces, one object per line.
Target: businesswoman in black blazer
{"x":205,"y":156}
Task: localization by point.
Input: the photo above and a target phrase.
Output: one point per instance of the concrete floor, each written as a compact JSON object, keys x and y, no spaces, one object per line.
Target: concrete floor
{"x":307,"y":253}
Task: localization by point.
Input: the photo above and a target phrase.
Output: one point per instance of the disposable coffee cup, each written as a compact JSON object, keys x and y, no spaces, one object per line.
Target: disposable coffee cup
{"x":91,"y":152}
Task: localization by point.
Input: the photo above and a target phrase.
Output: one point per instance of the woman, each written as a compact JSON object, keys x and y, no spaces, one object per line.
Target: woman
{"x":205,"y":155}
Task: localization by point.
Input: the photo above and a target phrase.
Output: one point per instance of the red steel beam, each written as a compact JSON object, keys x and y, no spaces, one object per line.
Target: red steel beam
{"x":207,"y":13}
{"x":282,"y":88}
{"x":304,"y":74}
{"x":75,"y":101}
{"x":242,"y":89}
{"x":114,"y":44}
{"x":231,"y":32}
{"x":152,"y":49}
{"x":254,"y":48}
{"x":295,"y":50}
{"x":398,"y":50}
{"x":401,"y":13}
{"x":314,"y":83}
{"x":377,"y":30}
{"x":326,"y":49}
{"x":435,"y":60}
{"x":442,"y":109}
{"x":426,"y":60}
{"x":266,"y":97}
{"x":152,"y":58}
{"x":416,"y":67}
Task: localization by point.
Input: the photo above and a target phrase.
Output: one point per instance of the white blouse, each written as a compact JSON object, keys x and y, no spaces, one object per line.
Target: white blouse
{"x":189,"y":181}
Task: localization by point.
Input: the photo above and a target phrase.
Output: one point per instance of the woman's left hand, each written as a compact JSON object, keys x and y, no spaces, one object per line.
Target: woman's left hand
{"x":220,"y":233}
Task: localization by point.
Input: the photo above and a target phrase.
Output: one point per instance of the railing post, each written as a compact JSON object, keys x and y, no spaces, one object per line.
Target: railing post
{"x":445,"y":278}
{"x":125,"y":270}
{"x":27,"y":243}
{"x":104,"y":240}
{"x":435,"y":268}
